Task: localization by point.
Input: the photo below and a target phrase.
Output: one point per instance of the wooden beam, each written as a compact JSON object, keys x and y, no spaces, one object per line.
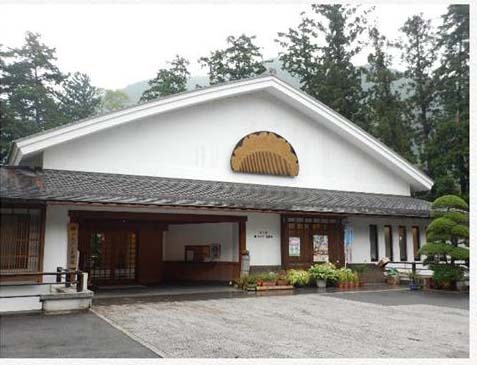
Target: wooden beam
{"x":171,"y":218}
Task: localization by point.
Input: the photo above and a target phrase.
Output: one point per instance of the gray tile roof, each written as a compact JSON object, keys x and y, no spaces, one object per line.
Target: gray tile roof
{"x":22,"y":183}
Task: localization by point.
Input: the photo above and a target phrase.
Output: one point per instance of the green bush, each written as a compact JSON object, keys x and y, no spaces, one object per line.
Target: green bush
{"x":448,"y":273}
{"x":450,"y":201}
{"x":267,"y":276}
{"x":344,"y":275}
{"x":325,"y":272}
{"x":298,"y":278}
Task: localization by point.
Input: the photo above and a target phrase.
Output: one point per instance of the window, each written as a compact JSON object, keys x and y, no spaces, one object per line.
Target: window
{"x":20,"y":240}
{"x":416,"y":242}
{"x":373,"y":241}
{"x":403,"y":243}
{"x":388,"y":242}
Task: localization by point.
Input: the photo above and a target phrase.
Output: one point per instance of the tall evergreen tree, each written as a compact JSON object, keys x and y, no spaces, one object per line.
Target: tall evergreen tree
{"x":319,"y":53}
{"x":240,"y":60}
{"x":78,"y":98}
{"x":449,"y":148}
{"x":384,"y":107}
{"x":168,"y":81}
{"x":29,"y":78}
{"x":419,"y":55}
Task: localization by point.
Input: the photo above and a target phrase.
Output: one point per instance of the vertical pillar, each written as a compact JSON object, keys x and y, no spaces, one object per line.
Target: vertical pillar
{"x":242,"y":244}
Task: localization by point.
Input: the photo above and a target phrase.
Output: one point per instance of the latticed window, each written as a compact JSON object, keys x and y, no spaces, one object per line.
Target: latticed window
{"x":20,"y":239}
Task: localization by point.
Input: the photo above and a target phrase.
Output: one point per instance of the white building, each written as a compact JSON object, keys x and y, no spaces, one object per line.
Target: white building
{"x":178,"y":188}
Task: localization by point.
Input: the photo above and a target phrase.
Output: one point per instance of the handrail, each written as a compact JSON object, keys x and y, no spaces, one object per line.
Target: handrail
{"x":71,"y":277}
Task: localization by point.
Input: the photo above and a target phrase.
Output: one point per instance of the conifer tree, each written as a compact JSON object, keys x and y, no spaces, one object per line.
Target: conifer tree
{"x":240,"y":60}
{"x":29,"y":78}
{"x":448,"y":149}
{"x":319,"y":53}
{"x":78,"y":98}
{"x":384,"y":107}
{"x":419,"y":56}
{"x":168,"y":81}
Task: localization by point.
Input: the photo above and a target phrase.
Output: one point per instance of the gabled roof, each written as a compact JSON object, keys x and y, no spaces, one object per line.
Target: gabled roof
{"x":268,"y":83}
{"x":22,"y":183}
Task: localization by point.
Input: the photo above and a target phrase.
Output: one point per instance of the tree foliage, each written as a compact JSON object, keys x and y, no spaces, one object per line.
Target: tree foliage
{"x":168,"y":80}
{"x":240,"y":60}
{"x":385,"y":115}
{"x":447,"y":237}
{"x":113,"y":100}
{"x":419,"y":56}
{"x":448,"y":149}
{"x":319,"y":52}
{"x":78,"y":98}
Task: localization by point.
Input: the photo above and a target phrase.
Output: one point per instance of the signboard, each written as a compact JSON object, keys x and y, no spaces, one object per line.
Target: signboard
{"x":294,"y":246}
{"x":320,"y":248}
{"x":73,"y":229}
{"x":348,"y":240}
{"x":263,"y":233}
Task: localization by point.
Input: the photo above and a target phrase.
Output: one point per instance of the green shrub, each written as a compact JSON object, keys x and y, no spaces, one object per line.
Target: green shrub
{"x":450,"y":201}
{"x":449,"y":272}
{"x":344,"y":275}
{"x":325,"y":272}
{"x":267,"y":276}
{"x":298,"y":278}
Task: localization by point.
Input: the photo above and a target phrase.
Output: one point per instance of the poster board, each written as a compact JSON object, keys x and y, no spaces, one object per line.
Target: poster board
{"x":294,"y":246}
{"x":320,"y":248}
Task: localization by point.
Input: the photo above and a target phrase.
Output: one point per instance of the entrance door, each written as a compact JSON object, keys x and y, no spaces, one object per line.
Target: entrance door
{"x":309,"y":240}
{"x":108,"y":254}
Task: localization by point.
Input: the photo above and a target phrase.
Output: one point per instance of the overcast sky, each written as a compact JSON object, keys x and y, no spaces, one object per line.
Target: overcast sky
{"x":119,"y":44}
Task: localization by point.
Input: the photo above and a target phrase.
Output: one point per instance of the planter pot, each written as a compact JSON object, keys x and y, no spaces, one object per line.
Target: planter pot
{"x":340,"y":285}
{"x":360,"y":284}
{"x":393,"y":280}
{"x":413,"y":286}
{"x":269,"y":283}
{"x":352,"y":285}
{"x":346,"y":285}
{"x":282,"y":282}
{"x":321,"y":284}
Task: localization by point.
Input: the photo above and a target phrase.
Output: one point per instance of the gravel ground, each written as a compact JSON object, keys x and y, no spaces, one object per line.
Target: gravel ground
{"x":299,"y":326}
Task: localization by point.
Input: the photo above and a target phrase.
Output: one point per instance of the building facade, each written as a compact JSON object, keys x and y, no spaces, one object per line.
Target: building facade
{"x":179,"y":188}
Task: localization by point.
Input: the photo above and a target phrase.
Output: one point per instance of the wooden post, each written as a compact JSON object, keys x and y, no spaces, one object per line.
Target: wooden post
{"x":242,"y":243}
{"x":73,"y":229}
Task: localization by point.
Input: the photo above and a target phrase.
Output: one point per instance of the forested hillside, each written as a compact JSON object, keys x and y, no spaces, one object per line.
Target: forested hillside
{"x":422,"y":113}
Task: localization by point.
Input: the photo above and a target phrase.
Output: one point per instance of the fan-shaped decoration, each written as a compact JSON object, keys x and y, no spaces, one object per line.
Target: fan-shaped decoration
{"x":264,"y":153}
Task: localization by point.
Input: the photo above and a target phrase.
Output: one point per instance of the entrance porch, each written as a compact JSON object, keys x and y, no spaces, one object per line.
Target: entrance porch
{"x":124,"y":248}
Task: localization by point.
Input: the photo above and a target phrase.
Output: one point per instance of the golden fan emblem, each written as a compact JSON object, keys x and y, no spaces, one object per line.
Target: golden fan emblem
{"x":264,"y":153}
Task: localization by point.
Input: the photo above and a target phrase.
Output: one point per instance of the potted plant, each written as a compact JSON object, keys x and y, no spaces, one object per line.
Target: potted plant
{"x":413,"y":280}
{"x":322,"y":273}
{"x":268,"y":279}
{"x":282,"y":279}
{"x":343,"y":278}
{"x":355,"y":280}
{"x":392,"y":277}
{"x":360,"y":270}
{"x":298,"y":278}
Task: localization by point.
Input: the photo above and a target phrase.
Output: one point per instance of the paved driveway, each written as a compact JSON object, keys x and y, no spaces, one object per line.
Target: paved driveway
{"x":383,"y":324}
{"x":80,"y":335}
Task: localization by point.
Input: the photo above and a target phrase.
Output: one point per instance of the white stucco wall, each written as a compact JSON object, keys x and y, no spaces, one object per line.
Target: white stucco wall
{"x":197,"y":143}
{"x":361,"y":248}
{"x":180,"y":235}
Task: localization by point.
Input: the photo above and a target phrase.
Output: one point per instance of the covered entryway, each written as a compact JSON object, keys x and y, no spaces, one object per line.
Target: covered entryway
{"x":152,"y":248}
{"x":312,"y":239}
